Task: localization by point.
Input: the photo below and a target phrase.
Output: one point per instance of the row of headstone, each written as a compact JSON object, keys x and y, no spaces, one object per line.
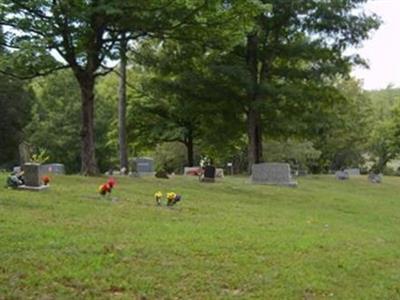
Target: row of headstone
{"x":347,"y":173}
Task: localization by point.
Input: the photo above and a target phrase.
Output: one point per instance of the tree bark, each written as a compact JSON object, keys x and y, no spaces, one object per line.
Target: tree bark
{"x":254,"y":137}
{"x":123,"y":147}
{"x":88,"y":158}
{"x":254,"y":128}
{"x":189,"y":147}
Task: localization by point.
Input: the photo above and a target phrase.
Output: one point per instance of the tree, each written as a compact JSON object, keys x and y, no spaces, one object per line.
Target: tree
{"x":178,"y":102}
{"x":123,"y":147}
{"x":15,"y":102}
{"x":291,"y":53}
{"x":384,"y":136}
{"x":341,"y":130}
{"x":84,"y":36}
{"x":55,"y":124}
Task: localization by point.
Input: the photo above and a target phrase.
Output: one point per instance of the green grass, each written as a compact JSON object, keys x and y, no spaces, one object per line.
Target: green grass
{"x":229,"y":240}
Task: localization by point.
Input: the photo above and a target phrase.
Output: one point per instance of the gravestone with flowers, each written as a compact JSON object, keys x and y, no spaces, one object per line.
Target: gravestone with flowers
{"x":33,"y":179}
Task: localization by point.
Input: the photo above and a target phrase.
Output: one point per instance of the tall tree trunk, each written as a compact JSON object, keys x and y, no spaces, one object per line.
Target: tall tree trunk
{"x":254,"y":137}
{"x":123,"y":147}
{"x":254,"y":128}
{"x":88,"y":158}
{"x":189,"y":147}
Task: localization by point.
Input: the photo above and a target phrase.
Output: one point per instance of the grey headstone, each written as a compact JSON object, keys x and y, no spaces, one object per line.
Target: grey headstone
{"x":272,"y":173}
{"x":32,"y":175}
{"x":375,"y":178}
{"x":53,"y":169}
{"x":142,"y":165}
{"x":342,"y":175}
{"x":353,"y":172}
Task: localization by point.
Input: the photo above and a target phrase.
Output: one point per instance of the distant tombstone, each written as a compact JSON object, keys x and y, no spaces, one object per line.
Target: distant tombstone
{"x":208,"y":174}
{"x":142,"y":166}
{"x":53,"y":168}
{"x":353,"y":172}
{"x":32,"y":177}
{"x":375,"y":178}
{"x":219,"y":172}
{"x":192,"y":171}
{"x":272,"y":173}
{"x":342,"y":175}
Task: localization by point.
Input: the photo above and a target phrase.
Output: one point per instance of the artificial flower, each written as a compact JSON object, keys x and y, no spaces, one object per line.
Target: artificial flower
{"x":46,"y":179}
{"x":171,"y":196}
{"x":111,"y":182}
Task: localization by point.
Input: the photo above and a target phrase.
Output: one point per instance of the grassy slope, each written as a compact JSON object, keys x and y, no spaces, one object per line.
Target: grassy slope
{"x":325,"y":239}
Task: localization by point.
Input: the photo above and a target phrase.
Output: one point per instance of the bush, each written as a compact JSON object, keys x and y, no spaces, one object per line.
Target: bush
{"x":170,"y":157}
{"x":388,"y":171}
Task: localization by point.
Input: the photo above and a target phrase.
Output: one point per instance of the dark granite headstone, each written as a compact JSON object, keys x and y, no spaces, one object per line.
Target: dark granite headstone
{"x":208,"y":174}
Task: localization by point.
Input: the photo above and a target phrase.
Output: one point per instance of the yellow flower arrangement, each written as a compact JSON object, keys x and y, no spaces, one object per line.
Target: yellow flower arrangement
{"x":158,"y":196}
{"x":171,"y":196}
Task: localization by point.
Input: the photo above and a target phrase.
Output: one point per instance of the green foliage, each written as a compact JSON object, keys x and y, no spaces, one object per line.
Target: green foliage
{"x":341,"y":131}
{"x":384,"y":142}
{"x":55,"y":124}
{"x":170,"y":157}
{"x":40,"y":157}
{"x":300,"y":154}
{"x":15,"y":102}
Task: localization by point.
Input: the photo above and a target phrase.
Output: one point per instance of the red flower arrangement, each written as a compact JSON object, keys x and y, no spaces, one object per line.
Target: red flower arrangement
{"x":107,"y":187}
{"x":46,"y":180}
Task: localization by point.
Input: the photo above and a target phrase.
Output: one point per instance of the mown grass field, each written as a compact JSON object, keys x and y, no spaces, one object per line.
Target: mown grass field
{"x":228,"y":240}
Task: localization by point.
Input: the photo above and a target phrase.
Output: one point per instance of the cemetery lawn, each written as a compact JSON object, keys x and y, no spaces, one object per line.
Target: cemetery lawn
{"x":229,"y":240}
